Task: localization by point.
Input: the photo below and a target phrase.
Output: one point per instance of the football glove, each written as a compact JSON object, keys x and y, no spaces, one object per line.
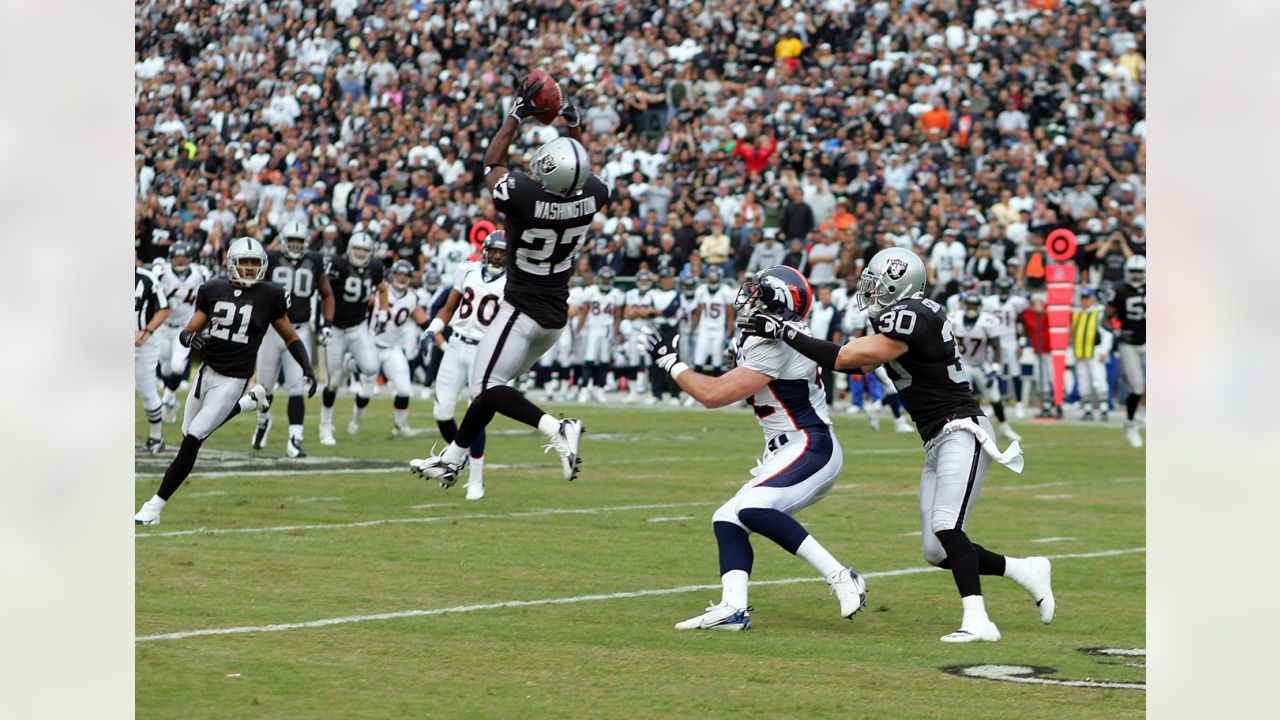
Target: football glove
{"x":324,"y":335}
{"x":311,"y":384}
{"x":765,"y":325}
{"x":193,"y":340}
{"x":572,"y":116}
{"x":425,"y":343}
{"x":523,"y":106}
{"x":665,"y":356}
{"x":380,"y":322}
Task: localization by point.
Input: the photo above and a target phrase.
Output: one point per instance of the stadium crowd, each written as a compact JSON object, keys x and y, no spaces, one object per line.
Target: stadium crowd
{"x":734,"y":134}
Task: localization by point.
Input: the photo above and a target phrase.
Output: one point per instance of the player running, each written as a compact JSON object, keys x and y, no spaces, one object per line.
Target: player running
{"x":237,"y":309}
{"x":548,"y":216}
{"x":395,"y":343}
{"x":977,"y":336}
{"x":357,"y":279}
{"x":1130,"y":305}
{"x":913,"y":338}
{"x":1006,"y":307}
{"x":801,"y":459}
{"x":179,"y":280}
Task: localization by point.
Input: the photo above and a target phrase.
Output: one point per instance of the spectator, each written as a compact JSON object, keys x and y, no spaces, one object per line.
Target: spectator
{"x":824,"y":256}
{"x":797,"y":217}
{"x":715,"y":249}
{"x":767,"y":253}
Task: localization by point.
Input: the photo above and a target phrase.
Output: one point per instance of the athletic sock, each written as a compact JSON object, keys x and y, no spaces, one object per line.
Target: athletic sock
{"x":477,"y":470}
{"x":295,"y":432}
{"x":453,"y":454}
{"x":734,"y":548}
{"x":508,"y":401}
{"x":153,"y":422}
{"x":548,"y":425}
{"x":812,"y":552}
{"x":448,"y":429}
{"x":326,"y":416}
{"x":297,"y":410}
{"x":734,"y":589}
{"x":401,"y":417}
{"x":1131,"y":405}
{"x":170,"y":395}
{"x":975,"y":610}
{"x":998,"y":408}
{"x":775,"y":525}
{"x":963,"y":559}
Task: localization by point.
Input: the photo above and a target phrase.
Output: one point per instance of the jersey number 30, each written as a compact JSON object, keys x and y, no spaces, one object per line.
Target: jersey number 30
{"x":549,"y":251}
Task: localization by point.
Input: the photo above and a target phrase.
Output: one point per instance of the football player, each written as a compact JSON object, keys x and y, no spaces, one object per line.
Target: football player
{"x":301,"y":272}
{"x":913,"y":338}
{"x":431,"y":297}
{"x":801,"y":459}
{"x":713,"y":318}
{"x":179,"y":280}
{"x":469,"y":312}
{"x":637,"y":309}
{"x":597,"y":326}
{"x":396,"y":342}
{"x":1129,"y":304}
{"x":977,"y":337}
{"x":150,"y":308}
{"x":1006,"y":307}
{"x":548,"y":216}
{"x":358,"y":280}
{"x":237,"y":310}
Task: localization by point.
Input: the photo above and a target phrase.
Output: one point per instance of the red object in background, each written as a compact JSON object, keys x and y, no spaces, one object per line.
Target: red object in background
{"x":1061,"y":244}
{"x":480,"y":230}
{"x":1037,"y":325}
{"x":1059,"y":297}
{"x":756,"y":158}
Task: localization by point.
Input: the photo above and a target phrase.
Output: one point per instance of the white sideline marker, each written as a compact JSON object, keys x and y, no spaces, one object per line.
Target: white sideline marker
{"x":325,"y":622}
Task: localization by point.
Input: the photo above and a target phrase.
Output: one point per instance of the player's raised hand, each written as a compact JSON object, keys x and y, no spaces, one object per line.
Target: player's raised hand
{"x":523,"y":106}
{"x":664,"y":354}
{"x":572,"y":116}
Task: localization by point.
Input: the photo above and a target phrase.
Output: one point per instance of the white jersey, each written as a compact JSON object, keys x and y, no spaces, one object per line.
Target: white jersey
{"x":854,"y":321}
{"x":449,"y":255}
{"x":713,"y":305}
{"x":973,"y":339}
{"x":181,"y":292}
{"x":794,"y":399}
{"x":636,"y":298}
{"x":1005,"y":312}
{"x":480,"y":300}
{"x":401,"y":329}
{"x":600,"y":305}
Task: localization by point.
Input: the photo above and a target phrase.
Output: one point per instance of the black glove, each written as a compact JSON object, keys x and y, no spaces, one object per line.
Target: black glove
{"x":323,"y":335}
{"x":311,"y":384}
{"x":524,"y":106}
{"x":664,"y":356}
{"x":380,"y":322}
{"x":760,"y":325}
{"x":572,"y":117}
{"x":193,"y":340}
{"x":425,"y":344}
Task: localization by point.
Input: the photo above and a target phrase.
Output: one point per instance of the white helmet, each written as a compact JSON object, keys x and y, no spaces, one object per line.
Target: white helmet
{"x":359,"y":249}
{"x":1135,"y":270}
{"x":294,"y":237}
{"x":892,"y":275}
{"x":562,"y":166}
{"x":238,"y":252}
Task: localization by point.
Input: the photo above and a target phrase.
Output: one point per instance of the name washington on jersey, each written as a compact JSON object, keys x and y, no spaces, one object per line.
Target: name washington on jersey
{"x":543,"y":210}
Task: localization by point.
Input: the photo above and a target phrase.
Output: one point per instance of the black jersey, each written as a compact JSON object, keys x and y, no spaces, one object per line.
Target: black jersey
{"x":148,"y":298}
{"x":1130,"y":306}
{"x":545,"y":232}
{"x":299,"y":278}
{"x":238,"y":319}
{"x":352,"y":288}
{"x":931,"y":382}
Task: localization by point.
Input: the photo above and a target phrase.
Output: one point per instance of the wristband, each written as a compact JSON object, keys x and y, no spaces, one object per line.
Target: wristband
{"x":678,"y":368}
{"x":435,"y":326}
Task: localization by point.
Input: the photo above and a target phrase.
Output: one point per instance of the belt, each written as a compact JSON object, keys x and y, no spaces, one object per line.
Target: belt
{"x":464,"y":339}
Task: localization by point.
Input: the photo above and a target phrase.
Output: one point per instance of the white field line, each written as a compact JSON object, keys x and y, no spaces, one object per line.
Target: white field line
{"x":1053,"y":539}
{"x":669,"y":519}
{"x":1036,"y":486}
{"x":418,"y":520}
{"x":1059,"y":496}
{"x":325,"y":622}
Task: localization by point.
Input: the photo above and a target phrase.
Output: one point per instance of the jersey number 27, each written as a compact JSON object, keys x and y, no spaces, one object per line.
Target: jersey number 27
{"x":550,"y":251}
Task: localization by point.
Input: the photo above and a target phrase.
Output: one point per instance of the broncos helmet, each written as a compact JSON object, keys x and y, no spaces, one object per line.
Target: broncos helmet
{"x":715,"y":276}
{"x":359,"y":249}
{"x":605,"y":277}
{"x":495,"y":253}
{"x":780,"y":290}
{"x":972,"y":303}
{"x":892,"y":275}
{"x":294,"y":236}
{"x":240,"y":254}
{"x":179,"y":251}
{"x":688,"y":285}
{"x":968,"y":284}
{"x":1004,"y":287}
{"x":431,"y":279}
{"x":644,"y":280}
{"x":401,"y":275}
{"x":1135,"y":270}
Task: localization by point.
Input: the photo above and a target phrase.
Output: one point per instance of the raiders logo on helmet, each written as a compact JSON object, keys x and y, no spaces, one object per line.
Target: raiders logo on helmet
{"x":547,"y":164}
{"x":896,"y":269}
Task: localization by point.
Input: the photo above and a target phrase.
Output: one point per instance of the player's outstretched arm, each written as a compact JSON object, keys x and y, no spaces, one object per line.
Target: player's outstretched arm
{"x":858,"y":355}
{"x":495,"y":157}
{"x":734,"y":386}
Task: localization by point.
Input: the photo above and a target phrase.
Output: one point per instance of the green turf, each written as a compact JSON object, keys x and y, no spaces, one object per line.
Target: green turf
{"x":615,"y":658}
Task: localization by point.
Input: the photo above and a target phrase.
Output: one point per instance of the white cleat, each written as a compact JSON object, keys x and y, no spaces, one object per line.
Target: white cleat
{"x":436,"y":468}
{"x":169,"y":411}
{"x":149,"y":514}
{"x":873,"y":417}
{"x":260,"y":432}
{"x":600,"y":396}
{"x":154,"y":445}
{"x":259,"y":395}
{"x":326,"y":435}
{"x":1008,"y":432}
{"x":984,"y":631}
{"x":475,"y":489}
{"x":353,"y":427}
{"x":719,"y":617}
{"x":1019,"y":411}
{"x":293,"y":448}
{"x":1131,"y":433}
{"x":584,"y":395}
{"x":651,"y":400}
{"x":851,"y":589}
{"x":404,"y":431}
{"x":901,"y":425}
{"x":1039,"y":585}
{"x":566,"y":442}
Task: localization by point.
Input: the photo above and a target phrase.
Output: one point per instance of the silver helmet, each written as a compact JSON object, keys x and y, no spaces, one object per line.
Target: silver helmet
{"x":294,"y":237}
{"x":892,"y":275}
{"x":359,"y":249}
{"x":1135,"y":270}
{"x":562,"y":166}
{"x":240,"y":251}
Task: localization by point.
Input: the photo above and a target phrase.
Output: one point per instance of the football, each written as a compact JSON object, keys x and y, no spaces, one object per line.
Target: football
{"x":549,"y":96}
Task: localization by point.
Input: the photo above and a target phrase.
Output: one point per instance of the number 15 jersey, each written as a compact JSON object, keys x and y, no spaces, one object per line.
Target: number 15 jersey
{"x":545,"y":232}
{"x":928,"y":376}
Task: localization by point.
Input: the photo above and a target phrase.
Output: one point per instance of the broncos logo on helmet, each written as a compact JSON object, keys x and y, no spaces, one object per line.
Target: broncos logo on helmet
{"x":780,"y":290}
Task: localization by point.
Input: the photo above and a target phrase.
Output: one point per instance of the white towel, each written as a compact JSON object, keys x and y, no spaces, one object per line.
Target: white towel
{"x":1010,"y":458}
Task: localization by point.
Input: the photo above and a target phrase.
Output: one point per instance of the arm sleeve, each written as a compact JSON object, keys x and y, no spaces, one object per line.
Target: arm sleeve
{"x":820,"y":351}
{"x":299,"y":353}
{"x":162,"y":302}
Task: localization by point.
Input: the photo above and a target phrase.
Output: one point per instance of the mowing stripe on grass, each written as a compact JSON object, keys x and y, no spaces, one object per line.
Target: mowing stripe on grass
{"x":279,"y":627}
{"x":402,"y":521}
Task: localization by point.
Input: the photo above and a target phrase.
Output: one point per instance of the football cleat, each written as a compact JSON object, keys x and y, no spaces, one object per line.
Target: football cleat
{"x":326,"y":435}
{"x":293,"y":448}
{"x":1087,"y":416}
{"x":719,"y":617}
{"x":153,"y":445}
{"x":901,"y":425}
{"x":1131,"y":433}
{"x":260,"y":432}
{"x":353,"y":427}
{"x":873,"y":417}
{"x":1008,"y":432}
{"x":983,"y":630}
{"x":1039,"y":585}
{"x":404,"y":431}
{"x":851,"y":589}
{"x":149,"y":513}
{"x":475,"y":489}
{"x":437,"y":468}
{"x":566,"y":442}
{"x":259,"y":395}
{"x":169,"y":411}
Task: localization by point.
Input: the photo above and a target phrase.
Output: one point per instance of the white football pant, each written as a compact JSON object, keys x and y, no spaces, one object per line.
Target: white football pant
{"x":358,"y":341}
{"x":210,"y":401}
{"x":950,"y":483}
{"x":273,"y":353}
{"x":1133,"y":359}
{"x":708,"y":348}
{"x":454,"y":377}
{"x":798,"y":472}
{"x":511,"y":346}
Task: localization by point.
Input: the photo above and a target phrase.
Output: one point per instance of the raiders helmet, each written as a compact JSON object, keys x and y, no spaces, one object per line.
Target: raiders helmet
{"x":359,"y":249}
{"x":241,"y":254}
{"x":892,"y":275}
{"x":294,"y":237}
{"x":562,"y":166}
{"x":1135,"y":270}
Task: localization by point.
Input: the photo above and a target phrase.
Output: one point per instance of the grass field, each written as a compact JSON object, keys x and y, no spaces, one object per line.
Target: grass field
{"x":550,"y":599}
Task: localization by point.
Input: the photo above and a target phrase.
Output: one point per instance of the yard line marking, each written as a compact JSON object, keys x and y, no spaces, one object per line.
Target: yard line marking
{"x":1052,"y":539}
{"x":913,"y":533}
{"x":210,"y":493}
{"x":325,"y":622}
{"x":431,"y":505}
{"x":313,"y":499}
{"x":1060,"y":496}
{"x":669,"y":519}
{"x":1037,"y":486}
{"x":402,"y":521}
